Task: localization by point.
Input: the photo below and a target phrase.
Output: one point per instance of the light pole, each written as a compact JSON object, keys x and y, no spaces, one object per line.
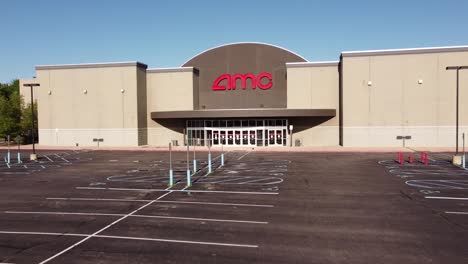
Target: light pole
{"x":33,"y":156}
{"x":457,"y":68}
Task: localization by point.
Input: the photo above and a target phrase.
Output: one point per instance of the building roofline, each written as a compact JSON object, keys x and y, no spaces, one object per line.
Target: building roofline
{"x":235,"y":43}
{"x":92,"y":65}
{"x":312,"y":64}
{"x":175,"y":69}
{"x":403,"y":51}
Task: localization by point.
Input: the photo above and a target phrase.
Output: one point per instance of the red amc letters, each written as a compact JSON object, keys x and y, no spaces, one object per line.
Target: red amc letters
{"x":254,"y":81}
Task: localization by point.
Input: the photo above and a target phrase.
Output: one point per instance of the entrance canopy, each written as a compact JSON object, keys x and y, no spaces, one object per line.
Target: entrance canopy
{"x":244,"y":113}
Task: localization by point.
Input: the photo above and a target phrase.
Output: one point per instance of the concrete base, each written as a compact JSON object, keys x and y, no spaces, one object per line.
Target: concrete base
{"x":457,"y":160}
{"x":33,"y":157}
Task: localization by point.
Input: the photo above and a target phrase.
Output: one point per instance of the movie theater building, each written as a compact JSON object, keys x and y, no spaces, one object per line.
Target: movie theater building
{"x":258,"y":95}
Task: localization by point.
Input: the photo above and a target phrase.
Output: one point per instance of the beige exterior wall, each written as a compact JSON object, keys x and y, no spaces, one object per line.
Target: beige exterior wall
{"x":397,"y":104}
{"x":314,"y":86}
{"x":169,"y":90}
{"x":68,"y":116}
{"x":25,"y":92}
{"x":384,"y":94}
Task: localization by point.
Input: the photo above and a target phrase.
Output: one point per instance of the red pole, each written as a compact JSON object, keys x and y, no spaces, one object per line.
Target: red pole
{"x":410,"y":159}
{"x":426,"y":159}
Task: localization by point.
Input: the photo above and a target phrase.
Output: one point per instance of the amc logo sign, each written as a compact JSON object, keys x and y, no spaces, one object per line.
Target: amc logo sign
{"x":262,"y":81}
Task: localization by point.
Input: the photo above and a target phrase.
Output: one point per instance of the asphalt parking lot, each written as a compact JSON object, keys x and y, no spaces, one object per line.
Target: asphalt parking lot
{"x":116,"y":207}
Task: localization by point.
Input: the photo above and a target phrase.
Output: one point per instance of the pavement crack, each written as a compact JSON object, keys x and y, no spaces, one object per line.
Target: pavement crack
{"x":405,"y":195}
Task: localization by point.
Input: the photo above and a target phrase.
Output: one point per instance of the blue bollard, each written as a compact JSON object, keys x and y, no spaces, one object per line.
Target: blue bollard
{"x":209,"y":162}
{"x":194,"y":166}
{"x":8,"y":157}
{"x":19,"y":157}
{"x":189,"y":183}
{"x":171,"y":178}
{"x":463,"y":161}
{"x":222,"y":159}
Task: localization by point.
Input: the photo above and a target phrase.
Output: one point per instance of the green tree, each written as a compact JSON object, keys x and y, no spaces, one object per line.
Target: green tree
{"x":15,"y":116}
{"x":7,"y":89}
{"x":25,"y":123}
{"x":10,"y":109}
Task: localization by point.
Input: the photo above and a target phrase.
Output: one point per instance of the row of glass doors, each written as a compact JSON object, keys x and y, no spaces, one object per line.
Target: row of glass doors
{"x":264,"y":135}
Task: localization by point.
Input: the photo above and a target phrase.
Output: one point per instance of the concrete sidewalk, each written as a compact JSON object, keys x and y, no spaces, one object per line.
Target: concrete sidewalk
{"x":256,"y":149}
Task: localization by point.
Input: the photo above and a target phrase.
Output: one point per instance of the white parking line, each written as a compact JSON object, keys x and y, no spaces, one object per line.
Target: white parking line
{"x":103,"y":229}
{"x":163,"y":190}
{"x":48,"y":158}
{"x":445,"y":198}
{"x":461,"y":213}
{"x":160,"y":201}
{"x":243,"y":155}
{"x":230,"y":178}
{"x":455,"y":182}
{"x":256,"y":180}
{"x":131,"y":238}
{"x":144,"y":216}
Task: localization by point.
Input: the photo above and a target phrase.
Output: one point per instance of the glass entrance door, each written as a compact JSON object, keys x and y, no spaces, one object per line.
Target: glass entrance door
{"x":260,"y":133}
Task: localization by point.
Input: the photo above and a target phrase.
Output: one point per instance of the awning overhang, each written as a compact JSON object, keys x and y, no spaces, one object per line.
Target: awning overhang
{"x":243,"y":113}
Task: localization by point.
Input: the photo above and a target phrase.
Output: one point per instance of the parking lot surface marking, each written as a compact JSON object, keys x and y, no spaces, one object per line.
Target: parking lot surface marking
{"x":160,"y":201}
{"x":445,"y":198}
{"x":185,"y":191}
{"x":460,"y":213}
{"x":137,"y":215}
{"x":103,"y":229}
{"x":131,"y":238}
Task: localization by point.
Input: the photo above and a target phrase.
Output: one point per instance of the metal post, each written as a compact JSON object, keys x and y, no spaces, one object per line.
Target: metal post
{"x":464,"y":155}
{"x":171,"y":172}
{"x":209,"y":156}
{"x":457,"y":68}
{"x":188,"y":165}
{"x":32,"y":113}
{"x":458,"y":80}
{"x":18,"y":140}
{"x":194,"y":157}
{"x":8,"y":154}
{"x":222,"y":154}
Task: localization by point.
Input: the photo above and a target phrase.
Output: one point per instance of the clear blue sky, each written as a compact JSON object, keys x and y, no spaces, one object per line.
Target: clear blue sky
{"x":167,"y":33}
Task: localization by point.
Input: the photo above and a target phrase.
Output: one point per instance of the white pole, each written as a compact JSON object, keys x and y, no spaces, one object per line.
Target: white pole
{"x":194,"y":156}
{"x":209,"y":156}
{"x":18,"y":139}
{"x":464,"y":155}
{"x":222,"y":154}
{"x":171,"y":172}
{"x":8,"y":155}
{"x":188,"y":164}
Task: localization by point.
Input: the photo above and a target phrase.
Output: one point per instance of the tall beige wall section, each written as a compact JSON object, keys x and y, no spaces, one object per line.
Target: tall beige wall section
{"x":403,"y":93}
{"x":25,"y":92}
{"x":170,"y":89}
{"x":142,"y":107}
{"x":314,"y":85}
{"x":77,"y":103}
